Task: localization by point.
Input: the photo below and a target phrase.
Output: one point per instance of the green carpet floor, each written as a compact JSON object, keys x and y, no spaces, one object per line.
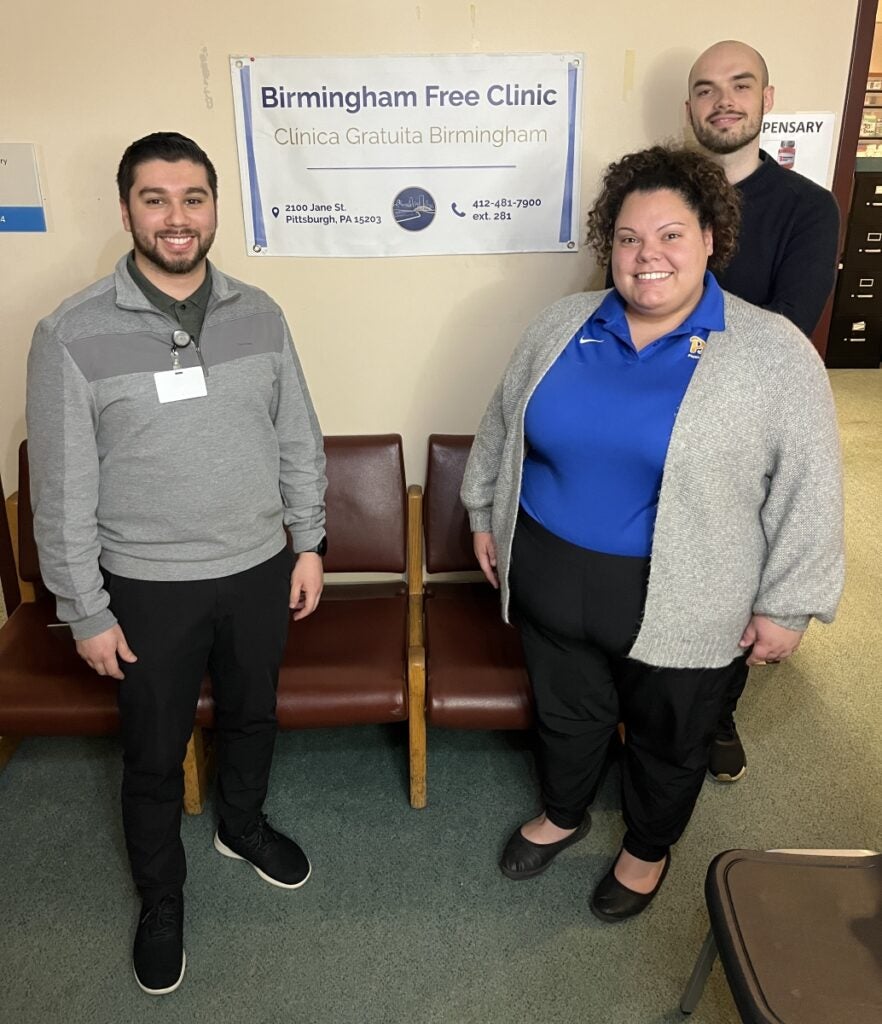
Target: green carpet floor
{"x":407,"y":919}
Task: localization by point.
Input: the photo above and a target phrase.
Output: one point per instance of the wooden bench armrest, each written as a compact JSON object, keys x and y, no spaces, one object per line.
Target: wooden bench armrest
{"x":415,"y":554}
{"x":416,"y":652}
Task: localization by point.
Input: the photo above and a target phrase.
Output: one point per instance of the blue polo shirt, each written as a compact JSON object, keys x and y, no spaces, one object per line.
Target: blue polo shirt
{"x":599,"y":424}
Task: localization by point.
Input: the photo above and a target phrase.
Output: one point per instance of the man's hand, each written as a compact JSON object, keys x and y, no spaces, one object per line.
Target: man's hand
{"x":100,"y":652}
{"x":485,"y":552}
{"x":771,"y":642}
{"x":307,"y":581}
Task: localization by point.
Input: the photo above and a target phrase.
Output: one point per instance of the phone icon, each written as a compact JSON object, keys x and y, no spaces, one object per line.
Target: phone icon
{"x":453,"y":207}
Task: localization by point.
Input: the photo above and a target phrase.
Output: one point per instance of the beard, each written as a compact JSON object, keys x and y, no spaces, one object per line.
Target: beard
{"x":182,"y":264}
{"x":715,"y":141}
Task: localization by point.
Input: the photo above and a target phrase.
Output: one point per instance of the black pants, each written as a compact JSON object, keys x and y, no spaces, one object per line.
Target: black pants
{"x":235,"y":627}
{"x":725,"y":729}
{"x":578,"y":613}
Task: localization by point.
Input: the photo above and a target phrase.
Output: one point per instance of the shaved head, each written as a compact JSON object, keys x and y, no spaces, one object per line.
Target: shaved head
{"x":730,"y":49}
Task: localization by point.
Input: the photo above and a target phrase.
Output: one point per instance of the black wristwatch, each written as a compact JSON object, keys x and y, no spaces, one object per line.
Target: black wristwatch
{"x":320,"y":548}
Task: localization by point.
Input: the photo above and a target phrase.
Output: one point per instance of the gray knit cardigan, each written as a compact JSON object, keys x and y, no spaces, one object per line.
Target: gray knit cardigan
{"x":750,"y":516}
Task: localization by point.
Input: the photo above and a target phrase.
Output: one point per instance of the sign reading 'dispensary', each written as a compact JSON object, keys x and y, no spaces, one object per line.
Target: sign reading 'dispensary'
{"x":408,"y":156}
{"x":800,"y":142}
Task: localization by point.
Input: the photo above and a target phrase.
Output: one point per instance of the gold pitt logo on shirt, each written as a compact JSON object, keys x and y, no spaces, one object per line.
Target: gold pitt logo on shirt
{"x":696,"y":347}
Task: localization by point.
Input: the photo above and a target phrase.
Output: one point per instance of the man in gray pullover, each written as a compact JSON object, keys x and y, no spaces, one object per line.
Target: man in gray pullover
{"x":172,"y":439}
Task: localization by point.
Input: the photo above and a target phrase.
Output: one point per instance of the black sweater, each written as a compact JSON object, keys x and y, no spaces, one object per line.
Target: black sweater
{"x":787,"y":249}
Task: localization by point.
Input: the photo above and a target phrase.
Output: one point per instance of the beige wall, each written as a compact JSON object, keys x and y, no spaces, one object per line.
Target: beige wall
{"x":876,"y":54}
{"x":405,"y":345}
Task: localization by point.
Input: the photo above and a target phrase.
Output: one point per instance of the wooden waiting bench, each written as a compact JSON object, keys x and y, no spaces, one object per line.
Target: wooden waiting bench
{"x":353,"y":661}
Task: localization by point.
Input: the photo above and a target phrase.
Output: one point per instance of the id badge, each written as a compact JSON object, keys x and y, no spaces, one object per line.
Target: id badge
{"x":177,"y":385}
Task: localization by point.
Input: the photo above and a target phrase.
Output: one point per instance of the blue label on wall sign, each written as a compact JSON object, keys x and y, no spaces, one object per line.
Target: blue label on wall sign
{"x":22,"y":218}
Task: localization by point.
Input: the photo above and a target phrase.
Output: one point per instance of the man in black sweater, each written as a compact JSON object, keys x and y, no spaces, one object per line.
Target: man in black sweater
{"x":788,"y":246}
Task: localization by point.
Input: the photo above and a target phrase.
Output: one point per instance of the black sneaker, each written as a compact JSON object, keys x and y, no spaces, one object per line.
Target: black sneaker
{"x":276,"y":858}
{"x":726,"y":761}
{"x":158,"y":957}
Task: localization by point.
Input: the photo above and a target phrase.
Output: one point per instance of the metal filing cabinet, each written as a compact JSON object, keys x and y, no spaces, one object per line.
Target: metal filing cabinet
{"x":856,"y":327}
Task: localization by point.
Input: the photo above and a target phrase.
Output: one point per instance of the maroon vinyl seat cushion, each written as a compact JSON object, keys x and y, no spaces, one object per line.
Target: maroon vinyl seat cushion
{"x":475,"y":672}
{"x":46,"y":689}
{"x":345,"y":665}
{"x":476,"y":677}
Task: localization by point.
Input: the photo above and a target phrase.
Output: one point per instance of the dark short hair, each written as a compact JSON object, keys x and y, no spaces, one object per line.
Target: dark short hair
{"x":169,"y":146}
{"x":698,"y":180}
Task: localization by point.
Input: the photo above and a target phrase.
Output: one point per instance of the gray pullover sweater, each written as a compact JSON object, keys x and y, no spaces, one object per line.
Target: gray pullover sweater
{"x":750,"y":514}
{"x":194,"y":489}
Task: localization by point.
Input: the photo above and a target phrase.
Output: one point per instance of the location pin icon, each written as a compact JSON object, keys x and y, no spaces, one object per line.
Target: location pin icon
{"x":275,"y":211}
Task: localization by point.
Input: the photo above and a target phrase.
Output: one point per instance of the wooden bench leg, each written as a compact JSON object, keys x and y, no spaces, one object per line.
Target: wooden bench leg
{"x":8,"y":745}
{"x":197,"y":770}
{"x":416,"y":721}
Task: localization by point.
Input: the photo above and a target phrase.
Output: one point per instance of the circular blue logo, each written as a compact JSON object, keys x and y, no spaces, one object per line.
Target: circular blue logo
{"x":413,"y":209}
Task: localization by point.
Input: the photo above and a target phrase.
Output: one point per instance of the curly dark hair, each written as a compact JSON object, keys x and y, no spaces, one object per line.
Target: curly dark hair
{"x":699,"y":181}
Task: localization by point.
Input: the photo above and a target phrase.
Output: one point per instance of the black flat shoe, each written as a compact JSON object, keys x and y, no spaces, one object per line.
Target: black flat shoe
{"x":523,"y":859}
{"x":613,"y":901}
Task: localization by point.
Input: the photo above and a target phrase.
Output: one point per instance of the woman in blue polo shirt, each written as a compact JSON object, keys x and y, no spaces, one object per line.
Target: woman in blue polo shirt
{"x":655,"y":488}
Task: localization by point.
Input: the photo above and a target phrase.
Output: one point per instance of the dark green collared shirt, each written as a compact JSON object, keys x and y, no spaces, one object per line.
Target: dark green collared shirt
{"x":189,"y":312}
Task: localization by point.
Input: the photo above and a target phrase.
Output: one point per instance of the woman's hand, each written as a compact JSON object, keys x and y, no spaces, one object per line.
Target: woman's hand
{"x":771,"y":642}
{"x":485,"y":552}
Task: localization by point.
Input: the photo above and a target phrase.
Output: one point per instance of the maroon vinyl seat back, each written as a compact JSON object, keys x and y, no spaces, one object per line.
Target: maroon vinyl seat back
{"x":366,"y":502}
{"x":475,"y":674}
{"x":346,"y":663}
{"x":448,"y":540}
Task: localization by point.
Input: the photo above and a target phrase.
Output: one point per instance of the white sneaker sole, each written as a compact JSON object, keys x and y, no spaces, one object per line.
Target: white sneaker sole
{"x":162,"y":991}
{"x":728,"y":778}
{"x":222,"y":847}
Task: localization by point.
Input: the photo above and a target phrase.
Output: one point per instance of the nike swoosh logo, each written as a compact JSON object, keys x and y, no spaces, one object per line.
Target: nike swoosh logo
{"x":591,"y":341}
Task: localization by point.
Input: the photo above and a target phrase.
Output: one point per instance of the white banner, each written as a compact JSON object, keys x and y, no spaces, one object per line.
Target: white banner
{"x":802,"y":142}
{"x":409,"y":156}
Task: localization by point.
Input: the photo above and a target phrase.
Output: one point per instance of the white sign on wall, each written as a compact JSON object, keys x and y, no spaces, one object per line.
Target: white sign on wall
{"x":21,"y":201}
{"x":802,"y":142}
{"x":408,"y":156}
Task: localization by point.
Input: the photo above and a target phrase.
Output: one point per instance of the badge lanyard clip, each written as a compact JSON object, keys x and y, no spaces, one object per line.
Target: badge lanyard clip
{"x":180,"y":339}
